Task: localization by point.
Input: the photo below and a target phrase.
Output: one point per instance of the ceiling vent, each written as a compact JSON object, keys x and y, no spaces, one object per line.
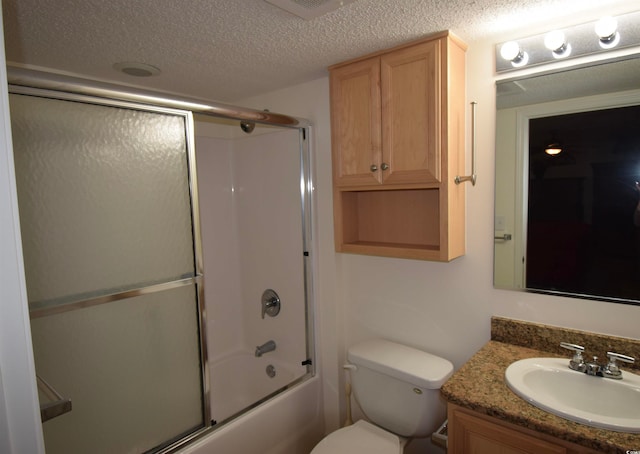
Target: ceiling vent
{"x":309,"y":9}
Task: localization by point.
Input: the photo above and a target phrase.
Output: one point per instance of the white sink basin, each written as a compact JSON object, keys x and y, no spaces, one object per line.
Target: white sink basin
{"x":549,"y":384}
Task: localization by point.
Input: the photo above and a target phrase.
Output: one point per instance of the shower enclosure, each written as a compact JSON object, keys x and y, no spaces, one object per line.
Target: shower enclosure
{"x":145,"y":272}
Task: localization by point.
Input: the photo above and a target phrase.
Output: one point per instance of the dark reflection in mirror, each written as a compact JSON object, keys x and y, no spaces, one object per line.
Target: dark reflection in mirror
{"x":583,"y":219}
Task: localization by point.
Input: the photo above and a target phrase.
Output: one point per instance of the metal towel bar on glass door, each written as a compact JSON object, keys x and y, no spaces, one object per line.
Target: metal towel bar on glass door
{"x":473,"y":177}
{"x":57,"y":406}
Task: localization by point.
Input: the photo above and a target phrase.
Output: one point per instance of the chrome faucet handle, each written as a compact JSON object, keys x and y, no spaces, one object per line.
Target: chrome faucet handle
{"x":577,"y":362}
{"x":611,"y":370}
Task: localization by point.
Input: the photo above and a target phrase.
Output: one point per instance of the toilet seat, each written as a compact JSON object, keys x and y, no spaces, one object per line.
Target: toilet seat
{"x":360,"y":438}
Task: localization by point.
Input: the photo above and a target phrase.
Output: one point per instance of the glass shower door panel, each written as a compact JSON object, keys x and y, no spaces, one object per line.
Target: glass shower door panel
{"x":131,"y":369}
{"x":104,"y":198}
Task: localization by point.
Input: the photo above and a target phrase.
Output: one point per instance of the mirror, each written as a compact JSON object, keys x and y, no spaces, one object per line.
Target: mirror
{"x":564,"y":223}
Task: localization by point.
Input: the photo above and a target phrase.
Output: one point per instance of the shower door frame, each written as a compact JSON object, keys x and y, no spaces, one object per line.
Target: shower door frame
{"x":57,"y":86}
{"x":196,"y":279}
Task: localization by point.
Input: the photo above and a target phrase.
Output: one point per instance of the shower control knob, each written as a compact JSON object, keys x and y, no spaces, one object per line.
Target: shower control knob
{"x":270,"y":303}
{"x":373,"y":168}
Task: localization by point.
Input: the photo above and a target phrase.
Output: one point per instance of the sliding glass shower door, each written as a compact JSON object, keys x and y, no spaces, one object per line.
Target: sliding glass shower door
{"x":112,"y":260}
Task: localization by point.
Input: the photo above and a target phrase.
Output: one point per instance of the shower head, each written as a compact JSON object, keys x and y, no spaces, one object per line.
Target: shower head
{"x":247,"y":126}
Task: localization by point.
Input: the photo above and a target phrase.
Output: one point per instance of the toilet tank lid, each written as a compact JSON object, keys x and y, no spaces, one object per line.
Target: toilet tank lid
{"x":415,"y":366}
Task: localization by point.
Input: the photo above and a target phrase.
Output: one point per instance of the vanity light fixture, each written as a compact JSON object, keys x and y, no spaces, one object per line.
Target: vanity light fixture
{"x":575,"y":41}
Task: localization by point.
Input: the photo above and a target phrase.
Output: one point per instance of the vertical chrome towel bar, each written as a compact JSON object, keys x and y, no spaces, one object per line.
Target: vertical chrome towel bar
{"x":473,"y":177}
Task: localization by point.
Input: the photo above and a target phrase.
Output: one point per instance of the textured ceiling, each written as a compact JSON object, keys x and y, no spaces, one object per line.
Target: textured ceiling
{"x":228,"y":50}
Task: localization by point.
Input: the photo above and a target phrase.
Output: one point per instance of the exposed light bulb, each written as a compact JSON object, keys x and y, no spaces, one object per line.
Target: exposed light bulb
{"x":606,"y":29}
{"x":511,"y":51}
{"x":555,"y":41}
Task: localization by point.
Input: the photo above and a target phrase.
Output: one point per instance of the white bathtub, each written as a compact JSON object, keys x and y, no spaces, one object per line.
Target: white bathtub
{"x":289,"y":423}
{"x":241,"y":379}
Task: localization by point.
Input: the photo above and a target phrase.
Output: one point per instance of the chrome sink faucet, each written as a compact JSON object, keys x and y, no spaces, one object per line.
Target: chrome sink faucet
{"x":593,"y":368}
{"x":609,"y":370}
{"x":268,"y":346}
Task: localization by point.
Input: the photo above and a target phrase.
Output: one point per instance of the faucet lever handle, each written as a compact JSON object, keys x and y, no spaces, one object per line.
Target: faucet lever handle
{"x":612,"y":370}
{"x":578,"y":349}
{"x":577,"y":362}
{"x":617,"y":356}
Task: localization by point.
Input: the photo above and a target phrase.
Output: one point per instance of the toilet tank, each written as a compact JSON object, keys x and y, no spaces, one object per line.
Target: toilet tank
{"x":398,"y":387}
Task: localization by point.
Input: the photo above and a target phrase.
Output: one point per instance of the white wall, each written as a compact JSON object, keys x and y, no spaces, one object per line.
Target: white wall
{"x":444,"y":308}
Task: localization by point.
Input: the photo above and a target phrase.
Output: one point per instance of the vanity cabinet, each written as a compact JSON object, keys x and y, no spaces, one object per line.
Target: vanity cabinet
{"x":397,"y":137}
{"x":470,"y":432}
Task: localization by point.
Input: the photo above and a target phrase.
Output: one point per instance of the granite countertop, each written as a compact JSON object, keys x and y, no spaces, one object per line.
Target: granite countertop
{"x":479,"y":385}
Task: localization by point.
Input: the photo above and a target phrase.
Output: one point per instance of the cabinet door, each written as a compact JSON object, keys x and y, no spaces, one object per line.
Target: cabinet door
{"x":355,"y":123}
{"x":472,"y":435}
{"x":411,"y":114}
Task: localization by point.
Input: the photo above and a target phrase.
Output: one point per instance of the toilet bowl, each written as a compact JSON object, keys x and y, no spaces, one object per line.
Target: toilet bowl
{"x":360,"y":438}
{"x":397,"y":388}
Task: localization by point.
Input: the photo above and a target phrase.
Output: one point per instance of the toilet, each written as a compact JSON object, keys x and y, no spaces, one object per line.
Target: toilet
{"x":397,"y":388}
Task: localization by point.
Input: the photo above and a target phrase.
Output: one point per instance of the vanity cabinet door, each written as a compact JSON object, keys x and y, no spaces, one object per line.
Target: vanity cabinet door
{"x":472,"y":433}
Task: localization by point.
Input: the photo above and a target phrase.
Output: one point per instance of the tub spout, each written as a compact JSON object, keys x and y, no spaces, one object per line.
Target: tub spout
{"x":268,"y":346}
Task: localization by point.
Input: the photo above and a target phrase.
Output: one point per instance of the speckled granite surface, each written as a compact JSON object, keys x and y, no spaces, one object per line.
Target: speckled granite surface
{"x":479,"y":384}
{"x":548,"y":338}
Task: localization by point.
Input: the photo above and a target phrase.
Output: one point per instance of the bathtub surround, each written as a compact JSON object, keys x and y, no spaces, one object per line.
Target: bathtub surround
{"x":252,"y":245}
{"x":242,"y":381}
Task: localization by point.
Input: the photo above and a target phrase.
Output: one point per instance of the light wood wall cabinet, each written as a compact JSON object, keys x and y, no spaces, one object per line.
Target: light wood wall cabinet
{"x":474,"y":433}
{"x":398,"y":136}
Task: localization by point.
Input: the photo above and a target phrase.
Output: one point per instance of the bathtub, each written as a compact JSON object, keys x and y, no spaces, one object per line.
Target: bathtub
{"x":242,"y":379}
{"x":290,"y":422}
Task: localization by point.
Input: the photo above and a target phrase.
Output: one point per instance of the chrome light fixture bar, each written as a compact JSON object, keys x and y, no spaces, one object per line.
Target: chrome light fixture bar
{"x":608,"y":33}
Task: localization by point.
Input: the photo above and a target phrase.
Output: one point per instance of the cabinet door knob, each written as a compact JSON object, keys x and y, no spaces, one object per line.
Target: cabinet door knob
{"x":384,"y":166}
{"x":373,"y":167}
